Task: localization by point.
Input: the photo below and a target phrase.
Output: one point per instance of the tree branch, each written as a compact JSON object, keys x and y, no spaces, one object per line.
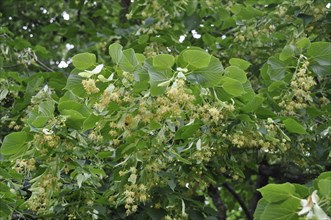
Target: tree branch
{"x":215,"y":195}
{"x":125,"y":9}
{"x":239,"y":200}
{"x":261,"y":180}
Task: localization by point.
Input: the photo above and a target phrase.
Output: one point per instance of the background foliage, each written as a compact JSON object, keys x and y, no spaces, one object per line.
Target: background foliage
{"x":167,"y":110}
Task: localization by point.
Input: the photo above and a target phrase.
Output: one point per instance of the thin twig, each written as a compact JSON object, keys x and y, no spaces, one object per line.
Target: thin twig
{"x":44,"y":66}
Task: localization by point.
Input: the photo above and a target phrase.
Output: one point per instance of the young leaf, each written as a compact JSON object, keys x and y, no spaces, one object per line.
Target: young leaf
{"x":232,"y":86}
{"x":115,"y":51}
{"x":163,"y":61}
{"x":236,"y":73}
{"x":196,"y":58}
{"x":89,"y":73}
{"x":83,"y":61}
{"x":242,"y":64}
{"x":303,"y":43}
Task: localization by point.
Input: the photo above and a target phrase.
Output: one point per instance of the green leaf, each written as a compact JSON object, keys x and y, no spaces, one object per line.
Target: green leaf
{"x":178,"y":157}
{"x":128,"y":61}
{"x":187,"y":131}
{"x":242,"y":64}
{"x":4,"y":173}
{"x":73,"y":114}
{"x":253,"y":104}
{"x":276,"y":69}
{"x":260,"y":208}
{"x":232,"y":86}
{"x":40,"y":121}
{"x":83,"y":61}
{"x":131,"y":56}
{"x":163,"y":61}
{"x":282,"y":211}
{"x":325,"y":175}
{"x":324,"y":187}
{"x":303,"y":43}
{"x":82,"y":178}
{"x":155,"y":214}
{"x":209,"y":76}
{"x":13,"y":142}
{"x":236,"y":73}
{"x":46,"y":108}
{"x":74,"y":84}
{"x":156,"y":77}
{"x":5,"y":210}
{"x":293,"y":126}
{"x":196,"y":58}
{"x":90,"y":122}
{"x":115,"y":51}
{"x":172,"y":184}
{"x":321,"y":53}
{"x":301,"y":190}
{"x":191,"y":7}
{"x":276,"y":87}
{"x":287,"y":52}
{"x":277,"y":192}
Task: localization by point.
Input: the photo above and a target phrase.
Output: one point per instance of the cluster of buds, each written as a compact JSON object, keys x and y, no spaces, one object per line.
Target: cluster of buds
{"x":95,"y":137}
{"x":14,"y":125}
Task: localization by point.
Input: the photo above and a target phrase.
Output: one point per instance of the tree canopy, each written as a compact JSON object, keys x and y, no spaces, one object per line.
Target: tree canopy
{"x":154,"y":109}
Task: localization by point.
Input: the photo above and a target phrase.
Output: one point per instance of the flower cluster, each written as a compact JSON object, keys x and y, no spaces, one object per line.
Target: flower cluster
{"x":300,"y":94}
{"x":24,"y":166}
{"x":14,"y":125}
{"x":44,"y":142}
{"x":90,"y":87}
{"x":134,"y":193}
{"x":42,"y":191}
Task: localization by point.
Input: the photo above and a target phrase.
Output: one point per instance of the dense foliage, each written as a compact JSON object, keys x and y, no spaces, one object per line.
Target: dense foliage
{"x":184,"y":109}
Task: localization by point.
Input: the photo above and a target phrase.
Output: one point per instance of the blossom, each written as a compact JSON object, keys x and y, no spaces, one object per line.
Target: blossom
{"x":311,"y":207}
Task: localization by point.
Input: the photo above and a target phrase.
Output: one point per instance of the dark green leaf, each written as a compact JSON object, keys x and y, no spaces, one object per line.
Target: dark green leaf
{"x":276,"y":69}
{"x":321,"y":53}
{"x":253,"y":104}
{"x":287,"y":52}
